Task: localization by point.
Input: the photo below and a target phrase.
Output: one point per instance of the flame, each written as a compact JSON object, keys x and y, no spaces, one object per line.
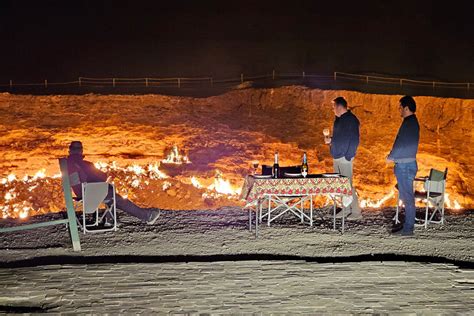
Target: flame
{"x":24,"y":213}
{"x":40,"y":174}
{"x":368,"y":203}
{"x":174,"y":157}
{"x":166,"y":185}
{"x":155,"y":173}
{"x":451,"y":204}
{"x":195,"y":182}
{"x":223,"y":186}
{"x":457,"y":206}
{"x":138,"y":170}
{"x":8,"y":196}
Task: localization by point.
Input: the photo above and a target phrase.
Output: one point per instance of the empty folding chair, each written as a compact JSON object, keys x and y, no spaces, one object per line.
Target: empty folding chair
{"x":433,"y":195}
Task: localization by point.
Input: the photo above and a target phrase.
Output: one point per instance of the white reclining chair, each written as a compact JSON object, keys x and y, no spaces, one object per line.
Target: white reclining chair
{"x":94,"y":196}
{"x":433,"y":195}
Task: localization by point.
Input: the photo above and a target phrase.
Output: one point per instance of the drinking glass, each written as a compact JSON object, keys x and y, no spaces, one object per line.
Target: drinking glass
{"x":255,"y":164}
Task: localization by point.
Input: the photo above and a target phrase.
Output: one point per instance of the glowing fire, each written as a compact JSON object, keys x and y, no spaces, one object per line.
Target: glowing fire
{"x":368,"y":203}
{"x":20,"y":196}
{"x":174,"y":157}
{"x":195,"y":182}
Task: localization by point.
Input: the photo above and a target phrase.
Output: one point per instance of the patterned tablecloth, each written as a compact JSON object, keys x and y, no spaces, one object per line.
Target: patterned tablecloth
{"x":254,"y":188}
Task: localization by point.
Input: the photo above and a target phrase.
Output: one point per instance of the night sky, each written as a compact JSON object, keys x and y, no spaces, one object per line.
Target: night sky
{"x":61,"y":40}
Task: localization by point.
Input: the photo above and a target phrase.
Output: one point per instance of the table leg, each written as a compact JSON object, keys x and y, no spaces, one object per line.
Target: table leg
{"x":343,"y":217}
{"x":269,"y":205}
{"x":302,"y":210}
{"x":259,"y":208}
{"x":250,"y":219}
{"x":334,"y":214}
{"x":311,"y":210}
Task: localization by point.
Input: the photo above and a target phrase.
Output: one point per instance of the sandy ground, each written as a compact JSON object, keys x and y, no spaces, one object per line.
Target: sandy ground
{"x":194,"y":262}
{"x":225,"y":232}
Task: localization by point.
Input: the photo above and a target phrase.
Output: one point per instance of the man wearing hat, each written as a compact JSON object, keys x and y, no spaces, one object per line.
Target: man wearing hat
{"x":81,"y":171}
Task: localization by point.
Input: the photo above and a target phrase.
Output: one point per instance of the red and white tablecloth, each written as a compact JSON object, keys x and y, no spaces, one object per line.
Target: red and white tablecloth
{"x":255,"y":188}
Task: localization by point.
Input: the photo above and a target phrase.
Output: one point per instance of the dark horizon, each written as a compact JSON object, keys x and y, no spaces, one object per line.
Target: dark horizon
{"x":61,"y":41}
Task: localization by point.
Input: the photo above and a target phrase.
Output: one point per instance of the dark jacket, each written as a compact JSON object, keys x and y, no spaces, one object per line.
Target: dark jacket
{"x":405,"y":146}
{"x":81,"y":171}
{"x":345,"y":136}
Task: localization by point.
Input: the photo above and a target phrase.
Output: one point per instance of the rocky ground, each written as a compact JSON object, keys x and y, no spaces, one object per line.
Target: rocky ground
{"x":209,"y":262}
{"x":225,"y":232}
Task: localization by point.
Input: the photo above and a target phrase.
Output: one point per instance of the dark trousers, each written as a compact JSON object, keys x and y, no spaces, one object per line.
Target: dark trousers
{"x":129,"y":207}
{"x":406,"y":173}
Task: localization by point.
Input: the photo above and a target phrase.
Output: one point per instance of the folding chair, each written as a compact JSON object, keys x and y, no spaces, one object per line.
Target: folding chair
{"x":94,"y":195}
{"x":71,"y":219}
{"x":433,"y":194}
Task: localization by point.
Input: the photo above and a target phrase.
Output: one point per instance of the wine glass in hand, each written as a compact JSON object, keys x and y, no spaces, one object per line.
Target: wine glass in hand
{"x":327,"y":139}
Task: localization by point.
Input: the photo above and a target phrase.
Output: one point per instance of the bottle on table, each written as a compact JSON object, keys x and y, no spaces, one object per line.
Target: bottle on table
{"x":276,"y":166}
{"x":304,"y":166}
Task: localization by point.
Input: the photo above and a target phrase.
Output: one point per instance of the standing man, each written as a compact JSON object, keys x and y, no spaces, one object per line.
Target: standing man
{"x":403,"y":153}
{"x":343,"y":147}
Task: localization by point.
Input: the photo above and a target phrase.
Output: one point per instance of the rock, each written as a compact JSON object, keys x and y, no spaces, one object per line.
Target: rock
{"x":171,"y":192}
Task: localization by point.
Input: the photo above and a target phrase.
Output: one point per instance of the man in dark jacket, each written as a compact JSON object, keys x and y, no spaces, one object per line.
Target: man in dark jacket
{"x":81,"y":171}
{"x":403,"y":153}
{"x":343,"y":147}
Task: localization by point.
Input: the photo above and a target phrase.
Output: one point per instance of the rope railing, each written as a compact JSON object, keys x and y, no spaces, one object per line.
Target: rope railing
{"x":401,"y":81}
{"x":179,"y":82}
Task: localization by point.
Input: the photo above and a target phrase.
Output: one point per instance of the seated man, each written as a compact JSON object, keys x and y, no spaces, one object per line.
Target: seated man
{"x":87,"y":172}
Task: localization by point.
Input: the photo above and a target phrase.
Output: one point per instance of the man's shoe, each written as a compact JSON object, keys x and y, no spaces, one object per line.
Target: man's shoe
{"x":354,"y":216}
{"x":403,"y":233}
{"x":344,"y":213}
{"x":153,"y":217}
{"x":397,"y":228}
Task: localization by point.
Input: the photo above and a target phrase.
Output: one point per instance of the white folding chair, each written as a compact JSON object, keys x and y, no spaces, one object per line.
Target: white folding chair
{"x":433,"y":195}
{"x":94,"y":196}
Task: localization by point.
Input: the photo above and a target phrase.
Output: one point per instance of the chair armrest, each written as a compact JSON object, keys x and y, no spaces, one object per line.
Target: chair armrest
{"x":422,"y":179}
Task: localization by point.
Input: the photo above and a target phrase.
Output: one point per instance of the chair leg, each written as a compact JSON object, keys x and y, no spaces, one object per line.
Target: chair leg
{"x":442,"y":212}
{"x":426,"y":214}
{"x":395,"y":218}
{"x":84,"y":227}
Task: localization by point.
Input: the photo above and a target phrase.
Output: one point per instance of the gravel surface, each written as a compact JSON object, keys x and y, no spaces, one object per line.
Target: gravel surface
{"x":225,"y":232}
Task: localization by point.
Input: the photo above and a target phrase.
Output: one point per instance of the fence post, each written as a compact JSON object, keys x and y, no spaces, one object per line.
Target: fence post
{"x":433,"y":85}
{"x":113,"y":82}
{"x":304,"y":75}
{"x":367,"y":78}
{"x":401,"y":82}
{"x":46,"y":83}
{"x":273,"y":74}
{"x":468,"y":86}
{"x":80,"y":82}
{"x":11,"y":84}
{"x":241,"y":78}
{"x":179,"y":82}
{"x":335,"y":76}
{"x":146,"y":82}
{"x":212,"y":82}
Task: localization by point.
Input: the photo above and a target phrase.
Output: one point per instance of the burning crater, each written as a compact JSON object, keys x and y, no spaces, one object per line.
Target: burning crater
{"x":185,"y":153}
